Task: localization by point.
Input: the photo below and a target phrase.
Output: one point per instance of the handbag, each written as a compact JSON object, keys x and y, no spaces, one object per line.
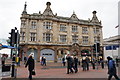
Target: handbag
{"x":33,"y":72}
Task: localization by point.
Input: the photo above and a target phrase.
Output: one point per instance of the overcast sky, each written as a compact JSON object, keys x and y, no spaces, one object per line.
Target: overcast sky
{"x":107,"y":12}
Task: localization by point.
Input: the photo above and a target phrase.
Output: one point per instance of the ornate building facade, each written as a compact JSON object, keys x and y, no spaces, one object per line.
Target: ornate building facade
{"x":52,"y":36}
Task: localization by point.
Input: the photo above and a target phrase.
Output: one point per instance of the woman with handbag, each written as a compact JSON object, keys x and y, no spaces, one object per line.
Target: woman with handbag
{"x":31,"y":65}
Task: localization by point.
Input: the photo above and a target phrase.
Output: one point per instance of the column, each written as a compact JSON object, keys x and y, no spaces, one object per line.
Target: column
{"x":38,"y":54}
{"x":55,"y":57}
{"x":25,"y":51}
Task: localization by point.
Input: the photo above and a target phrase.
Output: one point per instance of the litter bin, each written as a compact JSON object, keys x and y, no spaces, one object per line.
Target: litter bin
{"x":6,"y":68}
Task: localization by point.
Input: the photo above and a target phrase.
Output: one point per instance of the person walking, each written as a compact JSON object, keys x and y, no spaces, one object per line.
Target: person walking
{"x":111,"y":69}
{"x":18,"y":60}
{"x":44,"y":61}
{"x":41,"y":60}
{"x":76,"y":64}
{"x":25,"y":59}
{"x":63,"y":61}
{"x":31,"y":65}
{"x":3,"y":58}
{"x":87,"y":62}
{"x":93,"y":63}
{"x":84,"y":64}
{"x":102,"y":63}
{"x":117,"y":61}
{"x":14,"y":58}
{"x":69,"y":64}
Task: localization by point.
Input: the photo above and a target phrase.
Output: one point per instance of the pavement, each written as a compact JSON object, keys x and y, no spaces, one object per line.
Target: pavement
{"x":56,"y":70}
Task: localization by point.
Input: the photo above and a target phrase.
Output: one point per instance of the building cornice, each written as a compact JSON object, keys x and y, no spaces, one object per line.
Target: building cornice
{"x":60,"y":19}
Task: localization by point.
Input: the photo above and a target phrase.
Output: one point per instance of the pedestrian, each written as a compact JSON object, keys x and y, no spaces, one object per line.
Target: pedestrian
{"x":25,"y":59}
{"x":18,"y":60}
{"x":102,"y":63}
{"x":69,"y":64}
{"x":93,"y":63}
{"x":44,"y":61}
{"x":76,"y":64}
{"x":31,"y":65}
{"x":63,"y":61}
{"x":87,"y":62}
{"x":14,"y":58}
{"x":3,"y":58}
{"x":79,"y":62}
{"x":84,"y":64}
{"x":111,"y":69}
{"x":117,"y":61}
{"x":41,"y":60}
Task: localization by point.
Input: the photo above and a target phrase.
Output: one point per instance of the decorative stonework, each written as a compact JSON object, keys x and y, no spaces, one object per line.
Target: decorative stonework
{"x":55,"y":44}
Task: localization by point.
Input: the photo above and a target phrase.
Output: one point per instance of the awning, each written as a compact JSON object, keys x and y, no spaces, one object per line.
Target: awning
{"x":6,"y":46}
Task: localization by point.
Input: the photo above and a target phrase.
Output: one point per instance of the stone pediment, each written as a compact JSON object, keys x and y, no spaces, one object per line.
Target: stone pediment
{"x":94,"y":18}
{"x":48,"y":11}
{"x":74,"y":16}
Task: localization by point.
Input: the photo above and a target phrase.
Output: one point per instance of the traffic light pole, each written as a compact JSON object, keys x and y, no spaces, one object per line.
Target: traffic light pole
{"x":14,"y":42}
{"x":96,"y":56}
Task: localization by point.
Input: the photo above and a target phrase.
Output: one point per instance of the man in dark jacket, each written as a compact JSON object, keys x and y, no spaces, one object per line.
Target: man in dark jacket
{"x":112,"y":69}
{"x":31,"y":64}
{"x":76,"y":64}
{"x":63,"y":61}
{"x":3,"y":58}
{"x":87,"y":62}
{"x":69,"y":64}
{"x":44,"y":61}
{"x":14,"y":58}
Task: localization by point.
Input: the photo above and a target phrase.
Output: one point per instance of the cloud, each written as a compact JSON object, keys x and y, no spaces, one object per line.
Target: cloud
{"x":10,"y":12}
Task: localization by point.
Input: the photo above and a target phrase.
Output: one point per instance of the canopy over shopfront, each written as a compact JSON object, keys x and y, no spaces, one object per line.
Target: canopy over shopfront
{"x":6,"y":46}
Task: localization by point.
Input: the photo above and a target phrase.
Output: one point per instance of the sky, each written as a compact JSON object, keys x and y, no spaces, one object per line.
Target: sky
{"x":107,"y":12}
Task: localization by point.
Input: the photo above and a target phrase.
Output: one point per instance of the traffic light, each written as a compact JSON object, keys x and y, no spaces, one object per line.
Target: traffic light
{"x":12,"y":38}
{"x":98,"y":47}
{"x":17,"y":37}
{"x":94,"y":47}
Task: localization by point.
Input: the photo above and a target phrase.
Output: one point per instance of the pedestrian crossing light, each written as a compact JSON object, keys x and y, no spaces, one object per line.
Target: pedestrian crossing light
{"x":96,"y":47}
{"x":12,"y":38}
